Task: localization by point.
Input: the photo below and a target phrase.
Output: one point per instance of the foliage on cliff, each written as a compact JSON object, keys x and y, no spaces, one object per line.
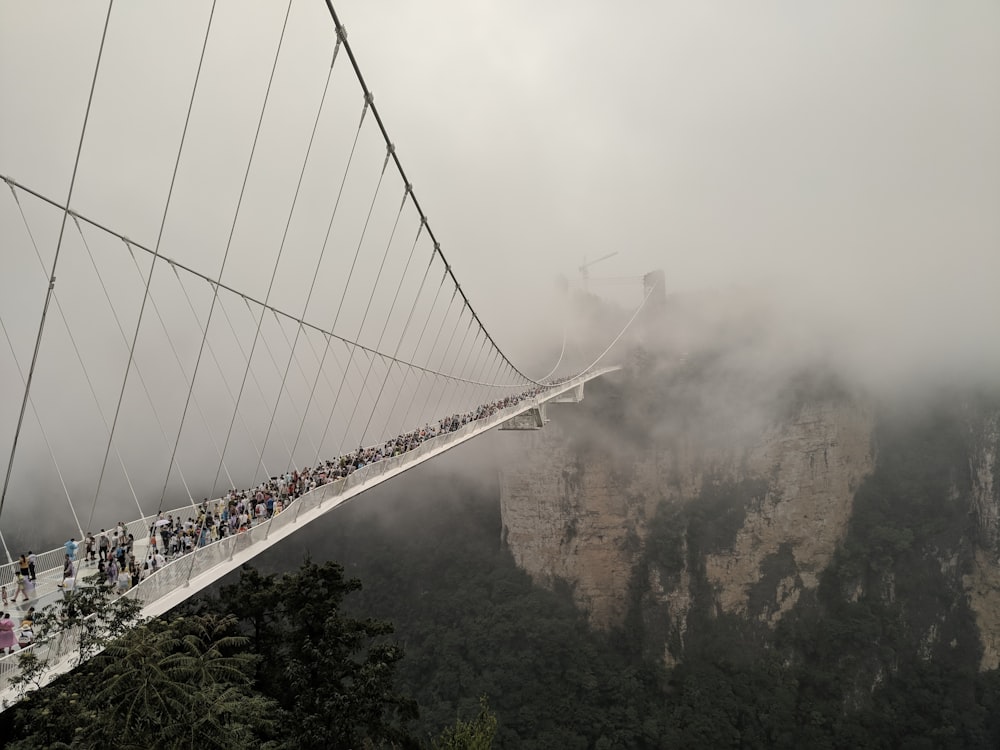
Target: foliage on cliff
{"x":884,"y":654}
{"x":474,"y":625}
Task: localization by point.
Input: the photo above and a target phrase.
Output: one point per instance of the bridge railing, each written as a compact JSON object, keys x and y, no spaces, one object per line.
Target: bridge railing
{"x":140,"y":528}
{"x":181,"y":570}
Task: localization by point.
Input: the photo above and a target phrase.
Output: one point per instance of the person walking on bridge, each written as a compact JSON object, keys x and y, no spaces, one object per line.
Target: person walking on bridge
{"x":67,"y":572}
{"x":21,"y":584}
{"x":90,"y":548}
{"x":71,"y":548}
{"x":7,"y":639}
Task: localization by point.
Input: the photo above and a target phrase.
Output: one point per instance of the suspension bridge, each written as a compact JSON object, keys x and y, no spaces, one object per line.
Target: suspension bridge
{"x":216,"y":274}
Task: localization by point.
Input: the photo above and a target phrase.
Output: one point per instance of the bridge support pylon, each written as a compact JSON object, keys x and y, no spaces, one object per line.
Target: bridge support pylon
{"x":533,"y":419}
{"x":573,"y":396}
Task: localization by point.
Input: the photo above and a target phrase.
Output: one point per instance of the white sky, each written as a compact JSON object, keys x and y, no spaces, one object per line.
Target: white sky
{"x":851,"y":149}
{"x":821,"y":144}
{"x":844,"y":155}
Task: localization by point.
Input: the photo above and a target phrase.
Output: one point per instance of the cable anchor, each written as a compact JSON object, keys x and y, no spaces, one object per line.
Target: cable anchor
{"x":336,"y":49}
{"x":369,"y":101}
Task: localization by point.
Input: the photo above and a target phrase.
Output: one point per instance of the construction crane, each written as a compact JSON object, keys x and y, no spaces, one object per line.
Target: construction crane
{"x":585,"y":274}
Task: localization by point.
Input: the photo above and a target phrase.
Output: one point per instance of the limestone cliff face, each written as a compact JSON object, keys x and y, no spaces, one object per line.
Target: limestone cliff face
{"x":665,"y":502}
{"x":983,"y":582}
{"x":813,"y":465}
{"x":576,"y":510}
{"x":576,"y":519}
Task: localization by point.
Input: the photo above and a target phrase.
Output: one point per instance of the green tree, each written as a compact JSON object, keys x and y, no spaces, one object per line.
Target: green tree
{"x":333,"y":675}
{"x":184,"y":683}
{"x":175,"y":684}
{"x":59,"y":715}
{"x":86,"y":619}
{"x":92,"y":614}
{"x":476,"y":734}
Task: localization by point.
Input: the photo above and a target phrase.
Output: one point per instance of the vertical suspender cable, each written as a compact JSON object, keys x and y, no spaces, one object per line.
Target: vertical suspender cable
{"x":476,"y":366}
{"x":121,"y":330}
{"x":430,"y":353}
{"x":45,"y":437}
{"x":357,"y":252}
{"x":458,"y":354}
{"x":312,"y":286}
{"x":392,"y":361}
{"x":55,"y":261}
{"x":371,"y":298}
{"x":156,"y":255}
{"x":341,"y":37}
{"x":292,"y":357}
{"x":420,"y":338}
{"x":76,"y":352}
{"x":225,"y":256}
{"x":402,"y":174}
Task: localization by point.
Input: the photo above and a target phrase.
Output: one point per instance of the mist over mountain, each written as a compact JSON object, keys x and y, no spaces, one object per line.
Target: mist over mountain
{"x":731,"y":540}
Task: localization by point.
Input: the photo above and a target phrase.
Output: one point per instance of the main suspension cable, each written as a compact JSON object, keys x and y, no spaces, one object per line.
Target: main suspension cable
{"x":214,"y":282}
{"x":225,"y":258}
{"x":399,"y":167}
{"x":121,"y":330}
{"x":77,"y":353}
{"x":319,"y":263}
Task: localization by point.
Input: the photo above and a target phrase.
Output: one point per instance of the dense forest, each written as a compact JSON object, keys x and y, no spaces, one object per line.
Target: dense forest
{"x":448,"y":644}
{"x":848,"y":667}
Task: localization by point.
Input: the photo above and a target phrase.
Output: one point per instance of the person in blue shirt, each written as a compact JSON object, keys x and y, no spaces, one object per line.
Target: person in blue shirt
{"x":71,"y":548}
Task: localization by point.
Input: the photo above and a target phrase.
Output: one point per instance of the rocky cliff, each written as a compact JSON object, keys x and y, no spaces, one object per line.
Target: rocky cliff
{"x":649,"y":507}
{"x":982,"y":581}
{"x":580,"y":518}
{"x":576,"y":509}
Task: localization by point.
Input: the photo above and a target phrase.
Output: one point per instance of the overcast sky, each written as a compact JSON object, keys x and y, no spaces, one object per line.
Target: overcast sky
{"x":844,"y":157}
{"x":851,"y":149}
{"x":841,"y":146}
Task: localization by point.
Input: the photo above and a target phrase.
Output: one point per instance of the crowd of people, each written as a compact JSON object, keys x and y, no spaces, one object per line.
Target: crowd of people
{"x":113,"y":555}
{"x":239,"y":510}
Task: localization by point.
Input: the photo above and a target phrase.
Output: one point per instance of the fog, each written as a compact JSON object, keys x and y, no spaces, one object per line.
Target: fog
{"x":830,"y":171}
{"x":843,"y":157}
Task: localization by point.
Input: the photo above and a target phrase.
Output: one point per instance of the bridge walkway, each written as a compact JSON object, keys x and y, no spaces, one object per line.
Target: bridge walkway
{"x":185,"y":575}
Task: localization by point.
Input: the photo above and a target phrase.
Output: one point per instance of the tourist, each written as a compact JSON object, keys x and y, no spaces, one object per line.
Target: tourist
{"x":7,"y":640}
{"x":27,"y":635}
{"x":239,"y":510}
{"x":68,"y":572}
{"x":22,"y":588}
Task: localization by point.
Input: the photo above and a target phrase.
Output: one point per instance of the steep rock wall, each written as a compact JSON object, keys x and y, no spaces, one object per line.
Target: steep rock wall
{"x":575,"y":510}
{"x":659,"y":514}
{"x":982,"y":583}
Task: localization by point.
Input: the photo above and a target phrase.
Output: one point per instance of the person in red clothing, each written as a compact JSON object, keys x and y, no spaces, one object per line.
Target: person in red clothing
{"x":7,"y":640}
